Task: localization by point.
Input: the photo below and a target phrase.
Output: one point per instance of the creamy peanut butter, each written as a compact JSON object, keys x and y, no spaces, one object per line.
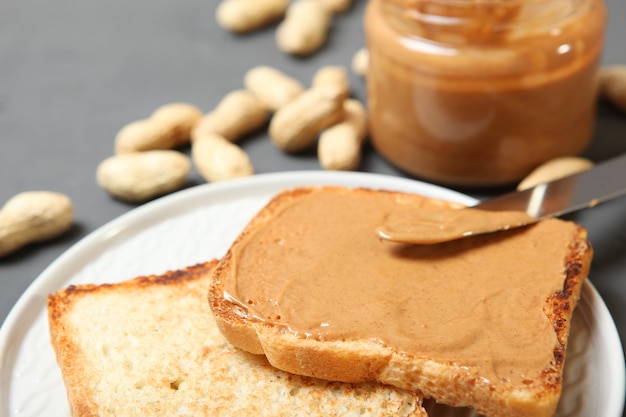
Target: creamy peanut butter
{"x":481,"y":92}
{"x":318,"y":269}
{"x":437,"y":225}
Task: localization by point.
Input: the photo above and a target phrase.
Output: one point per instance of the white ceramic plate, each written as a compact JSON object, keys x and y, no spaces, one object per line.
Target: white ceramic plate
{"x":199,"y":224}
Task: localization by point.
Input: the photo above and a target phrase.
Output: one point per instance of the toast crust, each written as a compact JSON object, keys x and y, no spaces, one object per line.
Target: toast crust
{"x":364,"y":360}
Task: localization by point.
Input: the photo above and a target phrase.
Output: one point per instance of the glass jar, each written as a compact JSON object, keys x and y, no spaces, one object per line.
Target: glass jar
{"x":480,"y":92}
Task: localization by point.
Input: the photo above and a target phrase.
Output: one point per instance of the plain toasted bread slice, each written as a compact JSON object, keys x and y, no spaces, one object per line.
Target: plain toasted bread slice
{"x":150,"y":347}
{"x":447,"y":381}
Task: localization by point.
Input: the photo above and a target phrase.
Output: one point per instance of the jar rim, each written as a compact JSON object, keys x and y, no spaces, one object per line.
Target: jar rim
{"x":497,"y":15}
{"x":407,"y":4}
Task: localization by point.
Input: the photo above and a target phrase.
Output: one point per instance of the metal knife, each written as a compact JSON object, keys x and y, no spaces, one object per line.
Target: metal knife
{"x":604,"y":181}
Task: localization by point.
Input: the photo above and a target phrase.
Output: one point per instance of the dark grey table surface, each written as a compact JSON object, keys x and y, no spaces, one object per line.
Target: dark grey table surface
{"x":73,"y":72}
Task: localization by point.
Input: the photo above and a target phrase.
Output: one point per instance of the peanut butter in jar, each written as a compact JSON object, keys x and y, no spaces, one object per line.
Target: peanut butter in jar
{"x":480,"y":92}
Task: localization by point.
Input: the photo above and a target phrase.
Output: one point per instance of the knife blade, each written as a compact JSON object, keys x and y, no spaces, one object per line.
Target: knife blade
{"x":606,"y":180}
{"x":551,"y":199}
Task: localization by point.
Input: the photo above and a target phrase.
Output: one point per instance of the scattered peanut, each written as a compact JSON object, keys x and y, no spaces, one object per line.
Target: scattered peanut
{"x":168,"y":127}
{"x":296,"y":125}
{"x":337,"y":6}
{"x":272,"y":87}
{"x":218,"y":159}
{"x":339,"y":146}
{"x":360,"y":62}
{"x":555,"y":169}
{"x":33,"y":216}
{"x":239,"y":113}
{"x":138,"y":177}
{"x":332,"y":76}
{"x":613,"y":85}
{"x":243,"y":16}
{"x":305,"y":27}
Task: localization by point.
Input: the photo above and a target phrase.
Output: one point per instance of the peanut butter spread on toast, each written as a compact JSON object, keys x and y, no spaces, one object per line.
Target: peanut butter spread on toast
{"x":319,"y":269}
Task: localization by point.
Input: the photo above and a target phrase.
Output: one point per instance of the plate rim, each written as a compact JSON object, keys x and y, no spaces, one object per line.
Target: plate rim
{"x":44,"y":283}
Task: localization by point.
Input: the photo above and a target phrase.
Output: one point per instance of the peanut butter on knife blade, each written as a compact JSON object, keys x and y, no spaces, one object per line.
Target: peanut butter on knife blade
{"x":428,"y":226}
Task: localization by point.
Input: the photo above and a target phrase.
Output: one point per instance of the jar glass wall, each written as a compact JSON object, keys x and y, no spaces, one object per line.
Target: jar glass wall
{"x":474,"y":93}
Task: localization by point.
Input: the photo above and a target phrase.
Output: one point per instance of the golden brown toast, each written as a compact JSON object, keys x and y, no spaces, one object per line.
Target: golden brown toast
{"x":150,"y":347}
{"x":273,"y":284}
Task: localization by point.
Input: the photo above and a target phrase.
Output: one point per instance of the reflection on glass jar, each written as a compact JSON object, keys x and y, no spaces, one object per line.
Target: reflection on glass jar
{"x":475,"y":93}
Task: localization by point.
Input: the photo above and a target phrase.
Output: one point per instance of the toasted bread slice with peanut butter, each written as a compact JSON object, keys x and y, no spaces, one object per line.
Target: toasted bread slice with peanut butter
{"x":150,"y":347}
{"x":481,"y":322}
